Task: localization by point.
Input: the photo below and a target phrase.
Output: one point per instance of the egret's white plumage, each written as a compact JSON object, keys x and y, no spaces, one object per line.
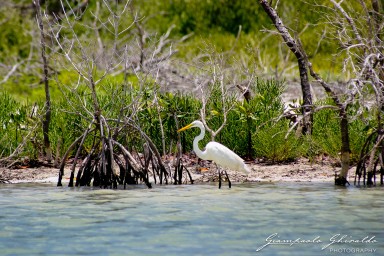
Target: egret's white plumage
{"x":215,"y":151}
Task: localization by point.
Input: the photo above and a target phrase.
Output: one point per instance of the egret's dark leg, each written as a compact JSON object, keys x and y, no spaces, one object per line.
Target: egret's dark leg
{"x":219,"y":178}
{"x":218,"y":169}
{"x":229,"y":182}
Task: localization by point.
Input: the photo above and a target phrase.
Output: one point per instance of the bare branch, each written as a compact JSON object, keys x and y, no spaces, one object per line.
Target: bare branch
{"x":350,"y":21}
{"x":10,"y":73}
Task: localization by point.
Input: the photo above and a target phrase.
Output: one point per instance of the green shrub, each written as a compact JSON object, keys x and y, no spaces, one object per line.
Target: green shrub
{"x":171,"y":108}
{"x":249,"y":117}
{"x":13,"y":123}
{"x":271,"y":143}
{"x":326,"y":130}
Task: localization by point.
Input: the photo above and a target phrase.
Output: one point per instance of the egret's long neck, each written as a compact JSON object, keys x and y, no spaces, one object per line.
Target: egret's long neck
{"x":198,"y":152}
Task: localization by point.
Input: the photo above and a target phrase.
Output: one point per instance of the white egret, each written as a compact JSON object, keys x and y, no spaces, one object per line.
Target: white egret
{"x":216,"y":152}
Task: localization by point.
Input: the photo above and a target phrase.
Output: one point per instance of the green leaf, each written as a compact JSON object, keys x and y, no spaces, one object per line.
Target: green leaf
{"x":215,"y":113}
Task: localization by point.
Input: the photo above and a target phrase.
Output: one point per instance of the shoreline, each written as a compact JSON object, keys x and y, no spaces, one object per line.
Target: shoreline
{"x":299,"y":171}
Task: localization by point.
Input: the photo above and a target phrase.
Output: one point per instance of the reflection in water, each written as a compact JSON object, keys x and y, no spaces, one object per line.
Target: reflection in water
{"x":188,"y":220}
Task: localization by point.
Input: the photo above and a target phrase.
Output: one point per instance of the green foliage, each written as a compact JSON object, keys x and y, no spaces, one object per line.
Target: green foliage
{"x":326,"y":131}
{"x":8,"y":129}
{"x":14,"y":37}
{"x":67,"y":124}
{"x":212,"y":22}
{"x":215,"y":22}
{"x":255,"y":115}
{"x":326,"y":135}
{"x":203,"y":15}
{"x":243,"y":120}
{"x":273,"y":145}
{"x":268,"y":137}
{"x":175,"y":111}
{"x":254,"y":118}
{"x":14,"y":123}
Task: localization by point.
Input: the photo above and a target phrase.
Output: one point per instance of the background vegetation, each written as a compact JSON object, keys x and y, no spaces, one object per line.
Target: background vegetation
{"x":234,"y":28}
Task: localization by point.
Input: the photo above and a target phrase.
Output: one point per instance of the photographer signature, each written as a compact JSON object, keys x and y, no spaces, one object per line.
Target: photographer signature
{"x":274,"y":239}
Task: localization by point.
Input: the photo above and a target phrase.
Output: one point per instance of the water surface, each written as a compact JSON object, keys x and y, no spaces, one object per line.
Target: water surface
{"x":301,"y":218}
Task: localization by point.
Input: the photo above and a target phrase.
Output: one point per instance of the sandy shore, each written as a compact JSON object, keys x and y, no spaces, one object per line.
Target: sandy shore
{"x":299,"y":171}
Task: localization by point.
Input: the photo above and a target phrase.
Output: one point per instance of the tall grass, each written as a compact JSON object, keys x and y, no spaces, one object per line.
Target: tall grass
{"x":13,"y":123}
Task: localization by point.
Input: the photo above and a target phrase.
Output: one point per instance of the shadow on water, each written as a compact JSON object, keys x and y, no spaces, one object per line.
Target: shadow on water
{"x":188,"y":219}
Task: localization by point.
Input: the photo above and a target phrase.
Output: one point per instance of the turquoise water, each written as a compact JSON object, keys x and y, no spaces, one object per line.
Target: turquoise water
{"x":41,"y":219}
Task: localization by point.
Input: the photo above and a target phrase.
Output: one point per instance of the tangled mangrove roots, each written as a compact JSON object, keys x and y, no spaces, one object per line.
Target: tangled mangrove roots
{"x":371,"y":160}
{"x":179,"y":166}
{"x":109,"y":163}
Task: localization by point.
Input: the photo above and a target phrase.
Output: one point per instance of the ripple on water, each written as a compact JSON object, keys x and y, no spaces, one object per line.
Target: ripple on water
{"x":187,"y":220}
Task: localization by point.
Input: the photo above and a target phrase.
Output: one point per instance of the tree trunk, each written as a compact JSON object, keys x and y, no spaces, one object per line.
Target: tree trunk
{"x":47,"y":117}
{"x":307,"y":96}
{"x":341,"y":179}
{"x":304,"y":66}
{"x":301,"y":57}
{"x":247,"y":96}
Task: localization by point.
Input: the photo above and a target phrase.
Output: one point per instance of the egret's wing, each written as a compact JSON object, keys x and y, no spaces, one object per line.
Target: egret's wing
{"x":225,"y":157}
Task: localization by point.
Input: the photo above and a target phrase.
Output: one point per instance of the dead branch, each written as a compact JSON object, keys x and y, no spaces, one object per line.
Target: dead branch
{"x":301,"y":56}
{"x":10,"y":73}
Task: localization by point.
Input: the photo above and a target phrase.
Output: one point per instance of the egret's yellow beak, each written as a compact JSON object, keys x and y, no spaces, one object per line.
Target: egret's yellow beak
{"x":185,"y":128}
